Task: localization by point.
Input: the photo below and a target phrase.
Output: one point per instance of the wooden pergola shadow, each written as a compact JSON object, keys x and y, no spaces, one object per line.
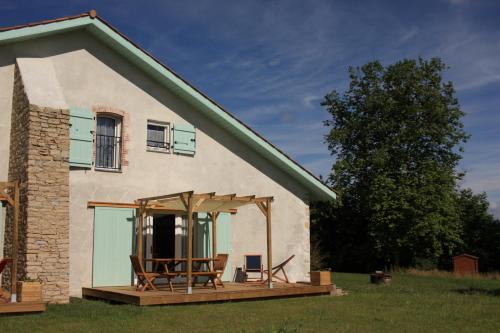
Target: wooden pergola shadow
{"x":210,"y":203}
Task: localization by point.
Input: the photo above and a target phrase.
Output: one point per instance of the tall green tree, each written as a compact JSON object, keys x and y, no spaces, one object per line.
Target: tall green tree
{"x":396,"y":133}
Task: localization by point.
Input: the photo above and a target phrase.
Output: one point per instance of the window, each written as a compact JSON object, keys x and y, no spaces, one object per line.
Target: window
{"x":108,"y":143}
{"x":158,"y":136}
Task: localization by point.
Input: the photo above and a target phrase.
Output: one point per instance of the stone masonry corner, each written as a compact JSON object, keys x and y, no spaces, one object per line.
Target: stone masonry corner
{"x":38,"y":158}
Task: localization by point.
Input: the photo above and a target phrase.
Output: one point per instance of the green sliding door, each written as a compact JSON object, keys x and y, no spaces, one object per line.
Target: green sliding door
{"x":203,"y":239}
{"x":113,"y":239}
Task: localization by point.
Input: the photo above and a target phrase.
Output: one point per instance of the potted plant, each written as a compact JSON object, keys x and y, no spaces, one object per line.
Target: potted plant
{"x":29,"y":290}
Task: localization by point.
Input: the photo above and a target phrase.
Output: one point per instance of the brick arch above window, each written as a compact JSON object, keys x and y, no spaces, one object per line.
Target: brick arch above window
{"x":113,"y":112}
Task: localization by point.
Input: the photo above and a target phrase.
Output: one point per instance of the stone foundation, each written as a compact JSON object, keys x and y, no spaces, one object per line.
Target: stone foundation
{"x":39,"y":153}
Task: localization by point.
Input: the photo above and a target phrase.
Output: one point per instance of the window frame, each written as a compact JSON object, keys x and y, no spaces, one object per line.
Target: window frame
{"x":166,"y":128}
{"x":118,"y":153}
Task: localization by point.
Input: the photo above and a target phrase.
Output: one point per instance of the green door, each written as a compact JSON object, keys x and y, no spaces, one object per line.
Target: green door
{"x":113,"y":240}
{"x":203,"y":239}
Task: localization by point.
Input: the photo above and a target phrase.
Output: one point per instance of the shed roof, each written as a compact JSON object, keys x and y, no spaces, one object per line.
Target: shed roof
{"x":166,"y":76}
{"x":466,"y":256}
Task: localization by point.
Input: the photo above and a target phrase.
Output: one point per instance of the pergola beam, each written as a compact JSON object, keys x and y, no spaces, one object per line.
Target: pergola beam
{"x":262,"y":208}
{"x":5,"y":197}
{"x":150,"y":207}
{"x":263,"y":199}
{"x":245,"y":198}
{"x":204,"y":195}
{"x":198,"y":203}
{"x":223,"y":197}
{"x":174,"y":195}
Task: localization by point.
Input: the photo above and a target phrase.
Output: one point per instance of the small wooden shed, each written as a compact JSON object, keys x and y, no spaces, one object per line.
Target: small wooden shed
{"x":465,"y":264}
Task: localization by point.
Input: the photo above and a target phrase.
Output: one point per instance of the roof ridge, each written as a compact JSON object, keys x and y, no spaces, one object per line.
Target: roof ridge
{"x":92,"y":13}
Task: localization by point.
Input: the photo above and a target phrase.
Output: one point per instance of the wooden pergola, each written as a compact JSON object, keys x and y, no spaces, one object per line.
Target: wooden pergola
{"x":12,"y":199}
{"x":211,"y":203}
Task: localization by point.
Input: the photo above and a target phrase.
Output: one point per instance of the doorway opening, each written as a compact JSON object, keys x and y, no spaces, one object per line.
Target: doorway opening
{"x":163,"y":236}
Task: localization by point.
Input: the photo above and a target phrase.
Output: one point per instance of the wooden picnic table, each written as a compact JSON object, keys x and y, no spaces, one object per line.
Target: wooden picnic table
{"x":176,"y":261}
{"x":173,"y":262}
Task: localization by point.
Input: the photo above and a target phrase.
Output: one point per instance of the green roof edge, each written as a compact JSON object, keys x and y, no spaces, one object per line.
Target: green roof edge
{"x":150,"y":64}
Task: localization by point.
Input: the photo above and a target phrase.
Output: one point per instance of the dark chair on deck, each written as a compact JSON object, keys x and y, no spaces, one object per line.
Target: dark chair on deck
{"x":253,"y":264}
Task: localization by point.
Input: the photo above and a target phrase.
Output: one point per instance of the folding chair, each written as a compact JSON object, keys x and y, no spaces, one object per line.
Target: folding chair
{"x":218,"y":268}
{"x":145,"y":279}
{"x":276,"y":269}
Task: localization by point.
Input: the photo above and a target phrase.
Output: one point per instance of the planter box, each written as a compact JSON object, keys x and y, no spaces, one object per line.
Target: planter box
{"x":29,"y":291}
{"x":320,"y":278}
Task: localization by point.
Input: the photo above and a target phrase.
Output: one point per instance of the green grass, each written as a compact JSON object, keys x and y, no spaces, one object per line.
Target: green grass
{"x":411,"y":303}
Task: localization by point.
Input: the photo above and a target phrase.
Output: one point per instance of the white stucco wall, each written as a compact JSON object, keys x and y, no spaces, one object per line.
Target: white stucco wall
{"x":40,"y":82}
{"x":6,"y":88}
{"x":90,"y":74}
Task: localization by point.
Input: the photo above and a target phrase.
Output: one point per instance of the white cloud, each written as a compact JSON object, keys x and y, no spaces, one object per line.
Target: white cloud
{"x":495,"y":208}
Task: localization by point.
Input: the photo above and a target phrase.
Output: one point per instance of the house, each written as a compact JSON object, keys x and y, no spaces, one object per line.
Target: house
{"x":90,"y":122}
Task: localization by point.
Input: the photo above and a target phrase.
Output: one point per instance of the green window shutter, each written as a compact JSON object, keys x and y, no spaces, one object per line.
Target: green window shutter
{"x":184,"y":139}
{"x":81,"y":136}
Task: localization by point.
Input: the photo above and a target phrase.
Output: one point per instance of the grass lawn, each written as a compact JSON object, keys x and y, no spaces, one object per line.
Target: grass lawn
{"x":411,"y":303}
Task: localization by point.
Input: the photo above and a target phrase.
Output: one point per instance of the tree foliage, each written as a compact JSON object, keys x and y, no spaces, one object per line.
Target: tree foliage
{"x":396,"y":133}
{"x":480,"y":231}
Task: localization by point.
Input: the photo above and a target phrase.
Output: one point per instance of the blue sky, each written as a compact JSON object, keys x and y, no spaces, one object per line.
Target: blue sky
{"x":271,"y":62}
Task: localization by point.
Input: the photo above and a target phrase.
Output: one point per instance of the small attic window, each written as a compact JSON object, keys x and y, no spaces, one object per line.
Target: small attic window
{"x":158,"y":138}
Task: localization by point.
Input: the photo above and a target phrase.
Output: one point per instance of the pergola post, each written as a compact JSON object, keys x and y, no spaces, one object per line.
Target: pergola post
{"x":140,"y":227}
{"x":269,"y":245}
{"x":15,"y":243}
{"x":214,"y":216}
{"x":189,"y":244}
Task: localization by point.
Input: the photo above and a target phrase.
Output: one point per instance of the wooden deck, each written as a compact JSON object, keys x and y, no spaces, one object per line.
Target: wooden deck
{"x":231,"y":292}
{"x":22,"y":307}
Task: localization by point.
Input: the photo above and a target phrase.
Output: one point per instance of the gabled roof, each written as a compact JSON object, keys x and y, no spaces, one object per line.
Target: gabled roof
{"x":466,"y":256}
{"x":156,"y":69}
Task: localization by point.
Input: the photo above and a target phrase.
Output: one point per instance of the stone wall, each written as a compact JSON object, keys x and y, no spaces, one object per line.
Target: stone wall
{"x":18,"y":167}
{"x":39,"y":159}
